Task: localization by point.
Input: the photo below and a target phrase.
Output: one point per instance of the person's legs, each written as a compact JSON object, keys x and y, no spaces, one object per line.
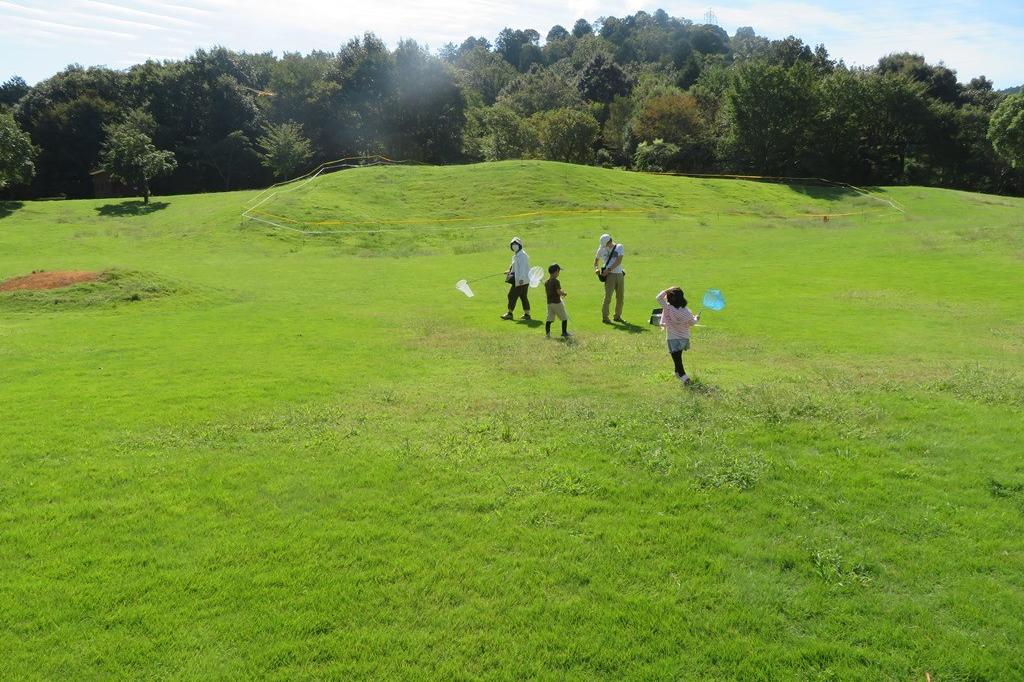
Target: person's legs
{"x":609,"y":287}
{"x":677,"y":360}
{"x":524,"y":291}
{"x":565,"y":327}
{"x":513,"y":294}
{"x":620,"y":294}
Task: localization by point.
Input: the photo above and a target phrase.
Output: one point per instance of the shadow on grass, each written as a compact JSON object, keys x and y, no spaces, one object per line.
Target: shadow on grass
{"x":824,"y":192}
{"x":629,"y":327}
{"x":131,"y":208}
{"x":532,"y":324}
{"x":9,"y":207}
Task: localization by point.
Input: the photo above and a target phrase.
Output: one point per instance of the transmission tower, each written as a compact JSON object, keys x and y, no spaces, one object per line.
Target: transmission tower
{"x":710,"y":17}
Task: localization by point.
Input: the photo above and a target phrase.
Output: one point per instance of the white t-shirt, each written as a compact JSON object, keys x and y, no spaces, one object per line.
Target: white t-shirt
{"x":602,"y":257}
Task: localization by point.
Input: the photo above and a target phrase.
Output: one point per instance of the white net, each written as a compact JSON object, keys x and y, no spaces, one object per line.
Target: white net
{"x":536,"y":275}
{"x":463,"y":286}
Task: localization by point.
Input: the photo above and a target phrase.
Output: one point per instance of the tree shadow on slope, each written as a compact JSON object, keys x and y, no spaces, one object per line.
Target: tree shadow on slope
{"x":131,"y":208}
{"x":823,"y":191}
{"x":9,"y":207}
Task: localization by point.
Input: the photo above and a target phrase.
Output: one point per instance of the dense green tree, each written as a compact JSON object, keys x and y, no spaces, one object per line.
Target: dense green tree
{"x":656,"y":156}
{"x":788,"y":51}
{"x":557,"y":32}
{"x":566,"y":135}
{"x":429,"y":111}
{"x":286,"y":151}
{"x":519,"y":47}
{"x":65,"y":116}
{"x":771,"y":110}
{"x":357,"y":100}
{"x":979,"y":92}
{"x":939,"y":81}
{"x":582,"y":28}
{"x":671,"y":117}
{"x":903,"y":120}
{"x":900,"y":121}
{"x":1006,"y":131}
{"x":841,"y":127}
{"x":602,"y":80}
{"x":16,"y":152}
{"x":484,"y":72}
{"x":130,"y":157}
{"x":709,"y":39}
{"x":497,"y":133}
{"x":539,"y":90}
{"x":232,"y":158}
{"x":746,"y":45}
{"x":293,"y":80}
{"x":12,"y":90}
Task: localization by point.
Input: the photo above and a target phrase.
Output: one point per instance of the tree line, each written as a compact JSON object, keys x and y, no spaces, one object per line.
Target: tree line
{"x":647,"y":91}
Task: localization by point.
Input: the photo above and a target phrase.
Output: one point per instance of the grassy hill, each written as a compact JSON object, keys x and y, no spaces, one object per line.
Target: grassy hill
{"x":246,"y":451}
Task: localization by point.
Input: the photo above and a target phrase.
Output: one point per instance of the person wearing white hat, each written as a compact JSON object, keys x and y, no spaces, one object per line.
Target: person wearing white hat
{"x":608,"y":266}
{"x":518,"y":277}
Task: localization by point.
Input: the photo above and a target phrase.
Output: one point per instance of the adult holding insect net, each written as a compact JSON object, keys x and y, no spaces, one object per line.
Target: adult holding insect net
{"x":518,"y":278}
{"x":608,"y":266}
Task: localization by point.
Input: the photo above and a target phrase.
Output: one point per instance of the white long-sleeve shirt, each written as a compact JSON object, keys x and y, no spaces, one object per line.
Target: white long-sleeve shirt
{"x":521,"y":267}
{"x":676,"y":321}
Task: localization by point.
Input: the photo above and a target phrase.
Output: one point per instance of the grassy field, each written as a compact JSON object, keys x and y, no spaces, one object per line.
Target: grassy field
{"x":246,"y":452}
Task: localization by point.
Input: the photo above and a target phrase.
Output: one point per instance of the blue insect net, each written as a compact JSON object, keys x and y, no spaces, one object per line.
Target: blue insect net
{"x":714,"y":299}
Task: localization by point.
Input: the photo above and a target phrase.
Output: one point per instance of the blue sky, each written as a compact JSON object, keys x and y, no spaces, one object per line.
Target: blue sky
{"x":40,"y":37}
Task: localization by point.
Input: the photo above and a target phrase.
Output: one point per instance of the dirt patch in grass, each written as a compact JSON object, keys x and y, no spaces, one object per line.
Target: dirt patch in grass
{"x":40,"y":280}
{"x":70,"y":290}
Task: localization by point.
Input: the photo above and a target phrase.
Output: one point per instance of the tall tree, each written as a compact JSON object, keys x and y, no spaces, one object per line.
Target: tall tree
{"x":939,"y":81}
{"x":539,"y":90}
{"x":519,"y":47}
{"x":286,"y":151}
{"x":497,"y":133}
{"x":130,"y":157}
{"x":429,"y":112}
{"x":602,"y":80}
{"x":1006,"y":131}
{"x":16,"y":152}
{"x":566,"y":135}
{"x":582,"y":28}
{"x":770,"y":111}
{"x":12,"y":90}
{"x":670,"y":117}
{"x":484,"y":72}
{"x":232,"y":158}
{"x":65,"y":116}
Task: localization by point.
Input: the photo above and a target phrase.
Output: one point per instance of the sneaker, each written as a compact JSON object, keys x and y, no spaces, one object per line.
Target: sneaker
{"x":526,"y":316}
{"x":606,"y":321}
{"x":618,"y":319}
{"x":507,"y":316}
{"x":547,"y":336}
{"x":566,"y":335}
{"x":686,"y":380}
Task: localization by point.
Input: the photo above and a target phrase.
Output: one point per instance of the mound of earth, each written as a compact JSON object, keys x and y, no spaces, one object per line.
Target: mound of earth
{"x":38,"y":281}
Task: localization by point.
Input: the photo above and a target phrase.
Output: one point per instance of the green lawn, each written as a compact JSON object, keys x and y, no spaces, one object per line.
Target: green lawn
{"x":253,"y":453}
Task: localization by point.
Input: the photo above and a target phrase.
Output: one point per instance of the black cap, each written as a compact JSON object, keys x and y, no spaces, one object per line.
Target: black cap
{"x":553,"y":267}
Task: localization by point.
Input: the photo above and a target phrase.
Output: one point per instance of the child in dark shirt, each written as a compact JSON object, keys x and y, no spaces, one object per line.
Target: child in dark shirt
{"x":556,"y":308}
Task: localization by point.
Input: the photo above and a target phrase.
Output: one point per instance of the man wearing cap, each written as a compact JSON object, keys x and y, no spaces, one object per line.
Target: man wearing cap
{"x":608,"y":263}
